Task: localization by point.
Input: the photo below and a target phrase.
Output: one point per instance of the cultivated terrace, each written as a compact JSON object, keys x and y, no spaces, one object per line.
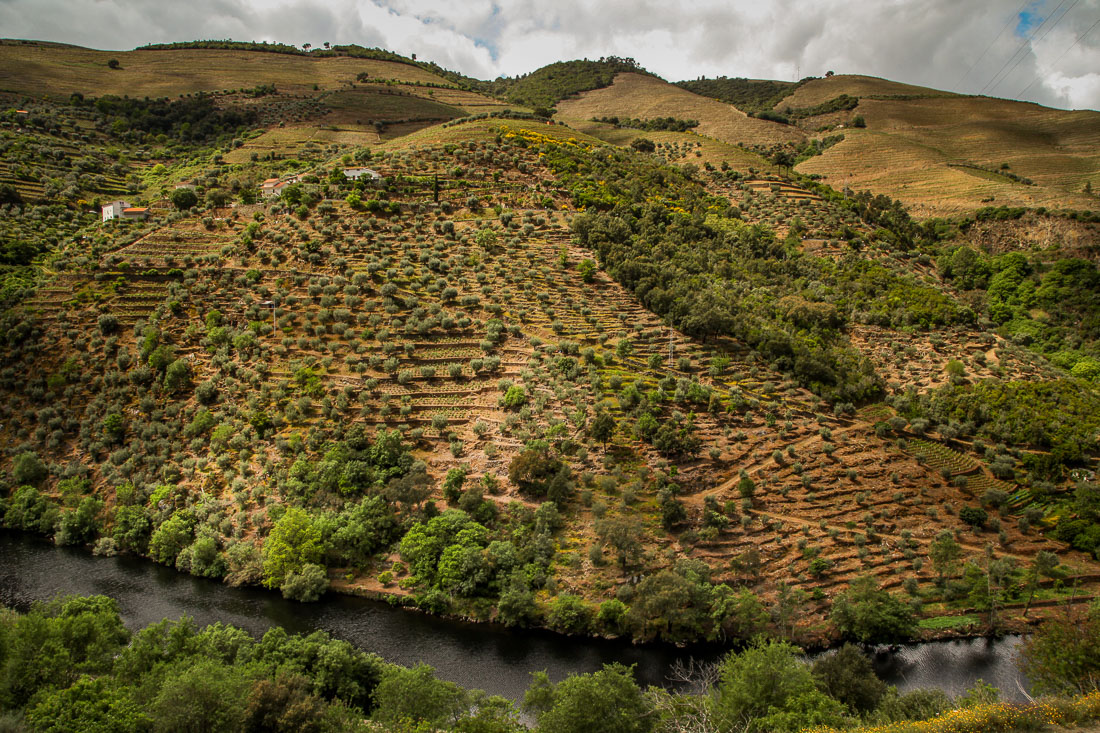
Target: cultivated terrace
{"x":662,"y":387}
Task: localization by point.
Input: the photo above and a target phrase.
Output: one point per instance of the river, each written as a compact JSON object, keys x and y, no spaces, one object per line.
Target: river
{"x":483,"y":656}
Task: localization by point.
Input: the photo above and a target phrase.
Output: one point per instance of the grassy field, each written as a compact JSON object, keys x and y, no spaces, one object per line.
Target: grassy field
{"x":646,"y":97}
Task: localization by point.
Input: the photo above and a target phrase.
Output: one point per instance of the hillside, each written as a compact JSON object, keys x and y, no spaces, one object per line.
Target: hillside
{"x":59,"y":70}
{"x":747,"y":95}
{"x":949,"y":155}
{"x":545,"y":87}
{"x":940,"y":153}
{"x":544,"y":374}
{"x":819,"y":91}
{"x":646,"y":97}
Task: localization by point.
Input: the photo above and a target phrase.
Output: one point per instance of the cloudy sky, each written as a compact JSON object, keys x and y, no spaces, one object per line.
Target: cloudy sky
{"x":1046,"y":51}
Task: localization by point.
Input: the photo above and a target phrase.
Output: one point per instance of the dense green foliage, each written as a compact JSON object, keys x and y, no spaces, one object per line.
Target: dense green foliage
{"x":193,"y":119}
{"x":870,"y":615}
{"x":747,"y":95}
{"x":671,"y":124}
{"x":841,"y":103}
{"x":70,"y":665}
{"x":788,"y":155}
{"x":1063,"y":656}
{"x":1050,"y":305}
{"x":1082,"y":529}
{"x":608,"y":701}
{"x":1061,"y":416}
{"x":454,"y":556}
{"x":545,"y":87}
{"x":688,"y":258}
{"x":790,"y":115}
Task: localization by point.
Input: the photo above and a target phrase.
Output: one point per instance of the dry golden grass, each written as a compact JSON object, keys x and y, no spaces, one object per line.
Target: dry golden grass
{"x":908,"y":145}
{"x":54,"y":69}
{"x":483,"y":130}
{"x":1050,"y":146}
{"x":646,"y":97}
{"x":822,"y":90}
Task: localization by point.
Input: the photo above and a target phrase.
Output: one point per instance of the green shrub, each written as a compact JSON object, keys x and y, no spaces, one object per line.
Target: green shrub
{"x":27,"y":468}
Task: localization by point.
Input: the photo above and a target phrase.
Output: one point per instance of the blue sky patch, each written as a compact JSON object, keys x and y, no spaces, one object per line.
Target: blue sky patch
{"x":1030,"y":19}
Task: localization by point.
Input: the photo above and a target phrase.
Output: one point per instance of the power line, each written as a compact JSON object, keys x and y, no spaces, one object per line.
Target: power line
{"x":1047,"y":33}
{"x":1022,"y":46}
{"x":1014,"y":17}
{"x":1072,"y":46}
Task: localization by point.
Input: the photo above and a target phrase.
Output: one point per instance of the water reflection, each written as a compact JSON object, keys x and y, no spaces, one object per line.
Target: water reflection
{"x":956,"y":665}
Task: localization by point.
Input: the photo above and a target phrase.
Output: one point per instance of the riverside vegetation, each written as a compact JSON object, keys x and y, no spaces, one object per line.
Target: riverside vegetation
{"x":70,"y":665}
{"x":626,"y":379}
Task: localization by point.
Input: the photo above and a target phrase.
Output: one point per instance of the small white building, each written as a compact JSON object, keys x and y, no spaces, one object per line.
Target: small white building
{"x":273,"y":187}
{"x":123,"y":210}
{"x":355,"y":174}
{"x":267,"y":188}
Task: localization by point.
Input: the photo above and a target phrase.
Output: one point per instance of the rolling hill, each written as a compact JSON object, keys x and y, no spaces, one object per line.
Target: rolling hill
{"x":647,"y":97}
{"x":945,"y":154}
{"x":819,"y":91}
{"x":544,"y":372}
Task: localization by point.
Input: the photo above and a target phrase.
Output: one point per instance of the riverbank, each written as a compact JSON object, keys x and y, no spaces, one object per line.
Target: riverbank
{"x":76,"y":667}
{"x":491,"y":657}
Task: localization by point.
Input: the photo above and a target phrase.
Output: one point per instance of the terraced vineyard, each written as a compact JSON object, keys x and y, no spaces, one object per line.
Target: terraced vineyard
{"x":423,"y":320}
{"x":542,"y":364}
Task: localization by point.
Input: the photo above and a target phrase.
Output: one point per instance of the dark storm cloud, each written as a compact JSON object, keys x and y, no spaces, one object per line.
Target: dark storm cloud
{"x":936,"y":43}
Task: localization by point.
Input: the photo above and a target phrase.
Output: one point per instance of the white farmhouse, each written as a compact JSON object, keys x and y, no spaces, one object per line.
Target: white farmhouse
{"x":267,"y":188}
{"x":355,"y":174}
{"x":273,"y":187}
{"x":123,"y":210}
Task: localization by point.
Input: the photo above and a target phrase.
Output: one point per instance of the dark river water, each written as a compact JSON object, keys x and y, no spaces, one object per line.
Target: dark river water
{"x":482,"y":656}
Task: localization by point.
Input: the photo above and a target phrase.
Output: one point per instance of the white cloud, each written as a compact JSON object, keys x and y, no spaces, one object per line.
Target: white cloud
{"x":928,"y":42}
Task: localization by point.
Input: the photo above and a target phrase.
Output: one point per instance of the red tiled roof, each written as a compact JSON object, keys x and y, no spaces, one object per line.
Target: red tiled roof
{"x":136,"y":209}
{"x":271,"y":180}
